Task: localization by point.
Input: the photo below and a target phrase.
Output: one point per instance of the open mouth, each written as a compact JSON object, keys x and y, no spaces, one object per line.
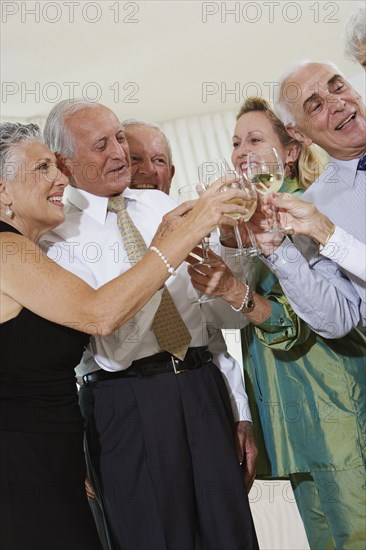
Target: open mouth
{"x":345,"y":122}
{"x":56,"y":199}
{"x":143,"y":186}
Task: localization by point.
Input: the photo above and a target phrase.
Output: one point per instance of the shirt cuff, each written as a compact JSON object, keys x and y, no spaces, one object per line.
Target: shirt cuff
{"x":277,"y":321}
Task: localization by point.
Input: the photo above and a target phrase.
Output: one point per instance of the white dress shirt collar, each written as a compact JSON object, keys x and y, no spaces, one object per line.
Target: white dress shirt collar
{"x":93,"y":206}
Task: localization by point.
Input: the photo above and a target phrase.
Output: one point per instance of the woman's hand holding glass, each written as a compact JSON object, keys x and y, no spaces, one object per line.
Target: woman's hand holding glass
{"x":212,"y":199}
{"x":219,"y":170}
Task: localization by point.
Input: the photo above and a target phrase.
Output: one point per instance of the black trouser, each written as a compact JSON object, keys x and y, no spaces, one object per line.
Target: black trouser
{"x":163,"y":449}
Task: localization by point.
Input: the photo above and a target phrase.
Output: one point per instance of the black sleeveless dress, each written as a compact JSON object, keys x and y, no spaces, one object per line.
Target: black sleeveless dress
{"x":43,"y":505}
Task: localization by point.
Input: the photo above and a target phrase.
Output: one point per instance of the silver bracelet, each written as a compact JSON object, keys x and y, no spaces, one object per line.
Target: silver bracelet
{"x":170,"y":269}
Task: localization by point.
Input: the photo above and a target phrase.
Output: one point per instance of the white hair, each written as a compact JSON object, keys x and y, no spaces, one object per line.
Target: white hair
{"x":282,"y":103}
{"x":136,"y":122}
{"x":11,"y":135}
{"x":355,"y":34}
{"x":56,"y":134}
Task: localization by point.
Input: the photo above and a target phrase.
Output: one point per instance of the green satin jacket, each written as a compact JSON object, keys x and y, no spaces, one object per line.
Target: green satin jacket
{"x":307,"y":394}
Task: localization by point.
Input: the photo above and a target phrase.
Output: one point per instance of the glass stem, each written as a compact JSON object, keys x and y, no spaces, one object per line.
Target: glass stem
{"x":238,"y":237}
{"x":274,"y":223}
{"x":205,"y":248}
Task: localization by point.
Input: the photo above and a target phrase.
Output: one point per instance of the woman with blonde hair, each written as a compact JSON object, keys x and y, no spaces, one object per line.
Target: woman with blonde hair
{"x":302,"y":387}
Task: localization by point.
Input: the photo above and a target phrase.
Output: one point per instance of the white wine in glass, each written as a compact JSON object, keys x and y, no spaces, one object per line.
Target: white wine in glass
{"x":266,"y":171}
{"x":211,"y":171}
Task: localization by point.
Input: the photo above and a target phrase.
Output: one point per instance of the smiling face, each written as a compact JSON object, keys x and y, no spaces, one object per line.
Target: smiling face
{"x":35,"y":193}
{"x":101,"y":162}
{"x":149,"y":153}
{"x":254,"y":132}
{"x":326,"y":111}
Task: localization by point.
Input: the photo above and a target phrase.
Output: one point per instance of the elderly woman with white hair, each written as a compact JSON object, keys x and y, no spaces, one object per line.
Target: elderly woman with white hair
{"x":43,"y":503}
{"x":355,"y":36}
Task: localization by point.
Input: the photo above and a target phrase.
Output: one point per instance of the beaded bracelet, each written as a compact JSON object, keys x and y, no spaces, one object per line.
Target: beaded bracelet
{"x":243,"y":302}
{"x":170,"y":269}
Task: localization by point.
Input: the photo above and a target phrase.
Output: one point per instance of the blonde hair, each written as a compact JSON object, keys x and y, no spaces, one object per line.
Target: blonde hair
{"x":311,"y":161}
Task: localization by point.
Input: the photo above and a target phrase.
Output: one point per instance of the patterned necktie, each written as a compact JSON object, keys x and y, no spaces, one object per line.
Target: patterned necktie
{"x":362,"y":163}
{"x":169,"y":328}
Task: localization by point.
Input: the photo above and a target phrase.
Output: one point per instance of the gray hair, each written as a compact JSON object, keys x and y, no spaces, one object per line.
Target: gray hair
{"x":281,"y":106}
{"x":136,"y":122}
{"x":11,"y":135}
{"x":56,"y":134}
{"x":355,"y":34}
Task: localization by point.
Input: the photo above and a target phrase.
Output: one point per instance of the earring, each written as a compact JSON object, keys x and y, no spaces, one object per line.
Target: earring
{"x":292,"y":168}
{"x":8,"y":212}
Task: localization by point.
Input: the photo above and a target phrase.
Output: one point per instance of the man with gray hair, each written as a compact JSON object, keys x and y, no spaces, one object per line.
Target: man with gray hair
{"x":152,"y":168}
{"x":151,"y":155}
{"x":318,"y":105}
{"x":355,"y":36}
{"x":159,"y":422}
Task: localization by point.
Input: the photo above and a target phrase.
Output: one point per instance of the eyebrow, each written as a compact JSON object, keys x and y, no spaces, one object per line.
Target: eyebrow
{"x":44,"y":159}
{"x":101,"y":138}
{"x":250,"y":133}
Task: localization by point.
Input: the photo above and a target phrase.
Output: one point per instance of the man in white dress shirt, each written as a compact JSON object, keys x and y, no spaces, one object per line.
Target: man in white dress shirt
{"x":318,"y":105}
{"x":152,"y":168}
{"x":163,"y":445}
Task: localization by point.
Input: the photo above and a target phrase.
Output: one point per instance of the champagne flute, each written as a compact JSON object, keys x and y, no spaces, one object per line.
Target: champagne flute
{"x":188,"y":193}
{"x":251,"y":206}
{"x":209,"y":172}
{"x":266,"y":171}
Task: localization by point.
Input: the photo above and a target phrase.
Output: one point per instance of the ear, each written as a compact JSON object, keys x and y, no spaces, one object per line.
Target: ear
{"x":293,"y":152}
{"x":4,"y":197}
{"x":172,"y":171}
{"x":296,"y":134}
{"x":64,"y":164}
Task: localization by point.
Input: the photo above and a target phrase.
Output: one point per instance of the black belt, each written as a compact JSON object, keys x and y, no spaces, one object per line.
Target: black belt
{"x":155,"y":364}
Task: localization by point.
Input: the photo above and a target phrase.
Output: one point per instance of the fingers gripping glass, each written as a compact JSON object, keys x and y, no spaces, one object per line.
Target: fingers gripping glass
{"x":188,"y":193}
{"x":211,"y":171}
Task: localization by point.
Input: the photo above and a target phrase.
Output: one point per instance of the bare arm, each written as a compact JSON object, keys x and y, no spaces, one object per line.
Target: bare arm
{"x":30,"y":279}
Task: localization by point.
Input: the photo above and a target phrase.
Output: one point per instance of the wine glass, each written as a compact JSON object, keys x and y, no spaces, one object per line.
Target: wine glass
{"x":188,"y":193}
{"x":266,"y":171}
{"x":209,"y":172}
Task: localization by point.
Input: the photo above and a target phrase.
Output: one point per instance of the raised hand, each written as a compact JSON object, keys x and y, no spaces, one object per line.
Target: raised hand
{"x":301,"y":217}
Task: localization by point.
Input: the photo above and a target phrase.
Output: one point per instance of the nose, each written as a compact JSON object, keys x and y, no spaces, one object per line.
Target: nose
{"x":116,"y":151}
{"x":240,"y":153}
{"x":336,"y":104}
{"x":147,"y":167}
{"x":61,"y":180}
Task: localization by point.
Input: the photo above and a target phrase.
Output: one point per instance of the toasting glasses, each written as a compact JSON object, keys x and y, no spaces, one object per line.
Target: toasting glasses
{"x":188,"y":193}
{"x":209,"y":172}
{"x":266,"y":172}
